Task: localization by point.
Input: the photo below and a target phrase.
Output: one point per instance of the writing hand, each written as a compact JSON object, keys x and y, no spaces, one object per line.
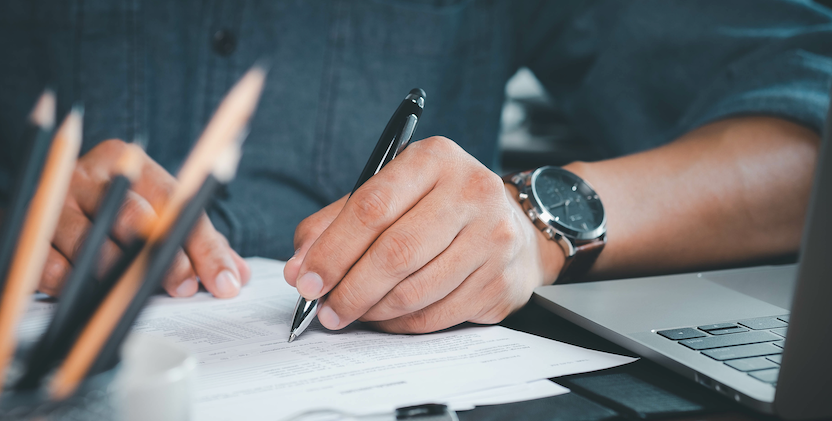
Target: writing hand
{"x":206,"y":253}
{"x":433,"y":240}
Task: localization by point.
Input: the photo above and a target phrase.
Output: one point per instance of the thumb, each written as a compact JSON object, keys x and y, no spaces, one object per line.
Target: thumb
{"x":307,"y":233}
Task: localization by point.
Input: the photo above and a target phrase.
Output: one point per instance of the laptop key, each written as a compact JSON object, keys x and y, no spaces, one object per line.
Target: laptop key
{"x":775,"y":358}
{"x":708,"y":328}
{"x":763,"y":323}
{"x":742,"y":351}
{"x":729,"y":340}
{"x":751,"y":364}
{"x":784,"y":318}
{"x":779,"y":343}
{"x":683,"y":333}
{"x":728,"y":331}
{"x":768,"y":376}
{"x":781,"y":331}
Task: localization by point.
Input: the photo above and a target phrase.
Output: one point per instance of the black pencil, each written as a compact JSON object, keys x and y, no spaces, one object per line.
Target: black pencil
{"x":82,"y":291}
{"x":37,"y":138}
{"x":160,"y":261}
{"x":163,"y":254}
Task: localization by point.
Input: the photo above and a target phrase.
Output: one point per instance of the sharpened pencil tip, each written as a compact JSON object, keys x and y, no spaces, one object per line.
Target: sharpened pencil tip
{"x":44,"y":112}
{"x":292,"y":337}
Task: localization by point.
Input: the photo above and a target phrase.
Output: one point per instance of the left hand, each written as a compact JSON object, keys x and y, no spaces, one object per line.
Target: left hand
{"x":433,"y":240}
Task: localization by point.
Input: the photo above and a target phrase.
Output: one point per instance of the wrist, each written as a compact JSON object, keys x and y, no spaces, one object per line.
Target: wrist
{"x":550,"y":256}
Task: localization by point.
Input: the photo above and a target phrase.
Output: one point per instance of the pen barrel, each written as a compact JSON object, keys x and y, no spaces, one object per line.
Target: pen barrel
{"x":386,"y":147}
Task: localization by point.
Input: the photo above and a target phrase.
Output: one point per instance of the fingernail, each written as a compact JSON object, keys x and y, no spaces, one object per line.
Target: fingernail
{"x":227,"y":284}
{"x":328,"y":318}
{"x":187,"y":288}
{"x":310,"y":284}
{"x":294,"y":255}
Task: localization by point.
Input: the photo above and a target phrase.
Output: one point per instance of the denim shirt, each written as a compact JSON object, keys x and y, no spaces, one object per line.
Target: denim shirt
{"x":627,"y":75}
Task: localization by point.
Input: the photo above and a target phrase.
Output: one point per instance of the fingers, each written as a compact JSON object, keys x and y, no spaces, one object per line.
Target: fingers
{"x":480,"y":299}
{"x":54,"y":274}
{"x":371,"y":210}
{"x":429,"y":284}
{"x":206,"y":256}
{"x":212,"y":260}
{"x":408,"y":245}
{"x":307,"y":233}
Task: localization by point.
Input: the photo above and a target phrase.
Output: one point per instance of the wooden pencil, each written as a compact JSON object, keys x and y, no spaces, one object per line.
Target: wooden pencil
{"x":162,"y":257}
{"x":37,"y":137}
{"x":37,"y":231}
{"x":224,"y":129}
{"x":82,"y":291}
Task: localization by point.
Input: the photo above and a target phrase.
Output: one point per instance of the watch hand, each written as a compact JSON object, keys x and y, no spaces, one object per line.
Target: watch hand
{"x":562,"y":202}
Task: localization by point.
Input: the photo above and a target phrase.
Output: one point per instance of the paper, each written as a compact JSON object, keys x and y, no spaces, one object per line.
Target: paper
{"x":247,"y":370}
{"x":537,"y":389}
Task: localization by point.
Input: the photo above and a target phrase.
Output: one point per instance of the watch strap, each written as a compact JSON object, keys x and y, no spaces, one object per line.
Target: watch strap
{"x":579,"y":264}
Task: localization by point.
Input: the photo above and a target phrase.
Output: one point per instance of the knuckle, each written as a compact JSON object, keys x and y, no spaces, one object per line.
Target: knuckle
{"x":53,"y":276}
{"x":421,"y":321}
{"x":484,"y":184}
{"x":440,"y":144}
{"x":504,"y":232}
{"x":406,"y":296}
{"x":373,"y":208}
{"x":348,"y":300}
{"x":134,"y":214}
{"x":396,"y":253}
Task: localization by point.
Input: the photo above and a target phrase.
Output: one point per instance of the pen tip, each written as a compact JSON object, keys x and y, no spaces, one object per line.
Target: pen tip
{"x":292,"y":337}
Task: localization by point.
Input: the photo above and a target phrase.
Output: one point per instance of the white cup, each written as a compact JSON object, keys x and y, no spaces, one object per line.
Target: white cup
{"x":155,"y":380}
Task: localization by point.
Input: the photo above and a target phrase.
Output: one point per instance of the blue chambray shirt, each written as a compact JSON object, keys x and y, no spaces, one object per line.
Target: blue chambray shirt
{"x":627,"y":75}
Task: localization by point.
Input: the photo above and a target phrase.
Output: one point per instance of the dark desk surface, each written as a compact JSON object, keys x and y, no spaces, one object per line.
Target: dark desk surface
{"x":641,"y":390}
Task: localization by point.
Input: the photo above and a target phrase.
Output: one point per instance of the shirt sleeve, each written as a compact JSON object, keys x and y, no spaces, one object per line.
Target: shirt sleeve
{"x":632,"y":75}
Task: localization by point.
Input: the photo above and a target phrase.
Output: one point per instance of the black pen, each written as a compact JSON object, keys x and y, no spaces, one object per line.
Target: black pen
{"x":395,"y":137}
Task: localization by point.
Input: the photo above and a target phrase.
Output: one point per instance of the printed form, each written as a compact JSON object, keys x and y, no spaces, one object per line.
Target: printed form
{"x":248,"y":370}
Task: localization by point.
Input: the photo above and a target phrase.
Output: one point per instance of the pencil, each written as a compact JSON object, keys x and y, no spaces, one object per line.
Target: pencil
{"x":162,"y":257}
{"x":36,"y":233}
{"x":81,"y":290}
{"x":37,"y":137}
{"x":226,"y":126}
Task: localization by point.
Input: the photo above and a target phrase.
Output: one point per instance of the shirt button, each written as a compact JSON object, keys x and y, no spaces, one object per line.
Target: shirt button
{"x":224,"y":42}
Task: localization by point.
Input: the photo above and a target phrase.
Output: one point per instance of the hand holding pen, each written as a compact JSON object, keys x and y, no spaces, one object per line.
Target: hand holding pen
{"x":394,"y":139}
{"x":433,"y":240}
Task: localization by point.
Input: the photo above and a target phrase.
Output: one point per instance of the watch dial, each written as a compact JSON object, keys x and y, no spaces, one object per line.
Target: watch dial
{"x":571,"y":201}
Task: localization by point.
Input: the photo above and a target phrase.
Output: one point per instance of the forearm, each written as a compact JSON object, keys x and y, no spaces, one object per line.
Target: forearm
{"x":732,"y":191}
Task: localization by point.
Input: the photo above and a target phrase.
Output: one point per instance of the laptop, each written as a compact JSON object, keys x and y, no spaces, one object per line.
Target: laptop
{"x":761,"y":336}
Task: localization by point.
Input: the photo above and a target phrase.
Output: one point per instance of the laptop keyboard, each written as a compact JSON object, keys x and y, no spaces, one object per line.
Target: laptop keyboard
{"x":752,"y":346}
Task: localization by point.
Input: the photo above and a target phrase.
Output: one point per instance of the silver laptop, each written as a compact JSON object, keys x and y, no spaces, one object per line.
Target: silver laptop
{"x":761,"y":336}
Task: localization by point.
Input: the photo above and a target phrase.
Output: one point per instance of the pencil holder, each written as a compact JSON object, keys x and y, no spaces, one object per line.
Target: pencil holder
{"x":93,"y":401}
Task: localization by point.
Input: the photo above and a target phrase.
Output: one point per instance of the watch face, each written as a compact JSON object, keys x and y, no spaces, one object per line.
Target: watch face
{"x":570,"y":202}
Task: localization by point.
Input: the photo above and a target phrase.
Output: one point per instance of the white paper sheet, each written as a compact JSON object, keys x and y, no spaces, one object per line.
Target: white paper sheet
{"x":247,"y":370}
{"x":537,"y":389}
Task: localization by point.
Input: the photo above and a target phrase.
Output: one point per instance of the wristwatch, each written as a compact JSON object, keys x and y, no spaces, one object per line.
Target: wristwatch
{"x":568,"y":211}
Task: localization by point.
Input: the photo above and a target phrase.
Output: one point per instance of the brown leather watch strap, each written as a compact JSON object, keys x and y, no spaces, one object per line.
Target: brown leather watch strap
{"x":585,"y":255}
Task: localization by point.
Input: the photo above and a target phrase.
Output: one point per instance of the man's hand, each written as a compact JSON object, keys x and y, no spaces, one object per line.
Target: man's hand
{"x":433,"y":240}
{"x":206,"y":253}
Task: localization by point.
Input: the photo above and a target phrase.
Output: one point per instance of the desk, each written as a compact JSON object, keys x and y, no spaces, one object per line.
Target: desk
{"x":632,"y":383}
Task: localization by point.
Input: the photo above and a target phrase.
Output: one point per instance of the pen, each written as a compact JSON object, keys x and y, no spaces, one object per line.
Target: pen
{"x":395,"y":137}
